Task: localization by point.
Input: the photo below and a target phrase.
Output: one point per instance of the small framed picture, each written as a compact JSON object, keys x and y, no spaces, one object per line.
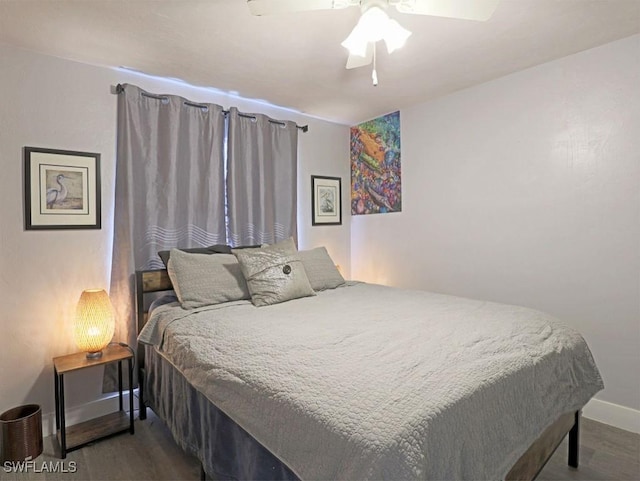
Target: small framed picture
{"x":61,"y":189}
{"x":326,"y":200}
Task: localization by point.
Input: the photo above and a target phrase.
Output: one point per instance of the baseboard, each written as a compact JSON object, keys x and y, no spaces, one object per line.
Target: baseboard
{"x":94,"y":409}
{"x":613,"y":414}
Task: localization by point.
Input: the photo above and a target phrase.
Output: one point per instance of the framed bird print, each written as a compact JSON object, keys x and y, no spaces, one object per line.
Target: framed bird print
{"x":326,"y":200}
{"x":61,"y":189}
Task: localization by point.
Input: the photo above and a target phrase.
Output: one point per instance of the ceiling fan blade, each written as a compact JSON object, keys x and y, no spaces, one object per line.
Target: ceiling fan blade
{"x":355,"y":61}
{"x":271,"y":7}
{"x":466,"y":9}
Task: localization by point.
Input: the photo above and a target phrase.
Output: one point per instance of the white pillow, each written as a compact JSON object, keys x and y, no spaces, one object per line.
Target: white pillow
{"x":321,"y":270}
{"x":205,"y":279}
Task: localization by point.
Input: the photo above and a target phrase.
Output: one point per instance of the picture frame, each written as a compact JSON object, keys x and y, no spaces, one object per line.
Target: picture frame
{"x":326,"y":200}
{"x":61,"y":189}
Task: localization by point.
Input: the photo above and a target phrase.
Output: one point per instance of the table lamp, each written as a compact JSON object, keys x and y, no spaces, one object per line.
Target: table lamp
{"x":95,"y":322}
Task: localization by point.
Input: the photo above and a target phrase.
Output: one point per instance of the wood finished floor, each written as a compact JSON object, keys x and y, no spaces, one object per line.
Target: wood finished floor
{"x":606,"y":453}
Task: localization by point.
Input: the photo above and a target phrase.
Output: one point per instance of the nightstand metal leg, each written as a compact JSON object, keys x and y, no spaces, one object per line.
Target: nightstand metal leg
{"x":57,"y":391}
{"x":131,"y":428}
{"x":63,"y":435}
{"x":120,"y":384}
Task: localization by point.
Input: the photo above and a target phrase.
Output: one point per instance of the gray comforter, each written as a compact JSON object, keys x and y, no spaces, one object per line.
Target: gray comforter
{"x":373,"y":382}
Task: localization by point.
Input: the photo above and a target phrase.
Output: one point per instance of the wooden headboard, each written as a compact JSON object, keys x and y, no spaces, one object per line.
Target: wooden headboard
{"x":147,"y":282}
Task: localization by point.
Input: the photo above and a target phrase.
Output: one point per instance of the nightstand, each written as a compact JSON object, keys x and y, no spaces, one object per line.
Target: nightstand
{"x":117,"y":422}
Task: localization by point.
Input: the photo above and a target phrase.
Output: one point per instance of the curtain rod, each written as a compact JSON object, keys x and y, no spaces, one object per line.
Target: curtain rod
{"x":120,"y":89}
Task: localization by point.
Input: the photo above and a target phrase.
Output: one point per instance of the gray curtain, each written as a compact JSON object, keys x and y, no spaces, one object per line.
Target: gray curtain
{"x":261,"y":179}
{"x":169,"y":190}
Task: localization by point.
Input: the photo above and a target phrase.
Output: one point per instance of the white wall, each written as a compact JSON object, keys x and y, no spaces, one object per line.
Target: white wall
{"x":54,"y":103}
{"x":526,"y":190}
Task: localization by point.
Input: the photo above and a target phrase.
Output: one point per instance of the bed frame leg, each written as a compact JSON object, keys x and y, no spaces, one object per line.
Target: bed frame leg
{"x":141,"y":319}
{"x":141,"y":404}
{"x":574,"y":441}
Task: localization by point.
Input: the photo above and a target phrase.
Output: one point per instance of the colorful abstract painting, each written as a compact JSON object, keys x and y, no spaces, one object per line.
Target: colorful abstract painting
{"x":375,"y":166}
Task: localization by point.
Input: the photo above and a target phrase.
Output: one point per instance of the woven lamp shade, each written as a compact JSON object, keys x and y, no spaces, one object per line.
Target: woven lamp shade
{"x":95,"y":321}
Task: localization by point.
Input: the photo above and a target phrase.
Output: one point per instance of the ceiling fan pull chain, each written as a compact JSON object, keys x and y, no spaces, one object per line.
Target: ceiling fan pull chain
{"x":374,"y":74}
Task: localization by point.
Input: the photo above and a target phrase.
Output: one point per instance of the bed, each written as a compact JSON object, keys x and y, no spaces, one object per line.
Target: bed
{"x":363,"y":382}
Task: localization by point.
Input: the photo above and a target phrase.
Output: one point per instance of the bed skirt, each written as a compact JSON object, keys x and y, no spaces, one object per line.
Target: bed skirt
{"x":225,"y":450}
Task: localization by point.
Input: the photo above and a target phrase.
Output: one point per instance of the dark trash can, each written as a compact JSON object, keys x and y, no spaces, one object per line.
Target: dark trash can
{"x":21,"y":433}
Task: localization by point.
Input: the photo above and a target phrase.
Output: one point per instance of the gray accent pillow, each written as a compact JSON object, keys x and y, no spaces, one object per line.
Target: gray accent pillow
{"x":201,"y":279}
{"x":274,"y":273}
{"x":321,"y":271}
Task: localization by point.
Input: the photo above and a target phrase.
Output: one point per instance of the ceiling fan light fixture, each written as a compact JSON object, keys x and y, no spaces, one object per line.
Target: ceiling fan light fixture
{"x":395,"y":36}
{"x":370,"y":27}
{"x":356,"y":43}
{"x":375,"y":25}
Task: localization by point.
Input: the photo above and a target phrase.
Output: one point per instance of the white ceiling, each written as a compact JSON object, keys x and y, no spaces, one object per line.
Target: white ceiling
{"x":295,"y":60}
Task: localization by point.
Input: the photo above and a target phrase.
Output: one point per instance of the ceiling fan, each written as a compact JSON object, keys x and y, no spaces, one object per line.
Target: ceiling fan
{"x":374,"y":23}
